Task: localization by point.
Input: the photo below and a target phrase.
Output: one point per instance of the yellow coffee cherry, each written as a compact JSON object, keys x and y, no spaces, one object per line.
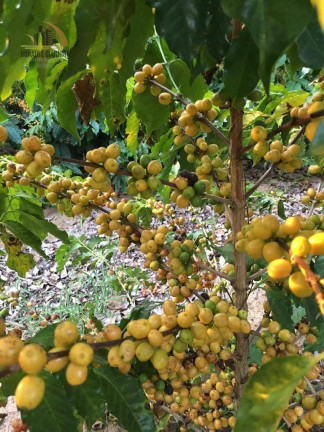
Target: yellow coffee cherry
{"x":29,"y":392}
{"x":258,"y":133}
{"x":164,"y":98}
{"x":32,"y":358}
{"x":279,"y":268}
{"x":59,"y":363}
{"x":300,"y":246}
{"x":160,"y":359}
{"x":139,"y":329}
{"x":317,"y":243}
{"x":3,"y":133}
{"x":10,"y":347}
{"x":272,"y":251}
{"x":76,"y":375}
{"x":291,"y":225}
{"x":81,"y":354}
{"x":299,"y":286}
{"x":66,"y":333}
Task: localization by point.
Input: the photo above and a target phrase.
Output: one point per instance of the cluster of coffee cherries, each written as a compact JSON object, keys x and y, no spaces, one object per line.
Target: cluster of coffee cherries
{"x":108,"y":158}
{"x":263,"y":237}
{"x":32,"y":359}
{"x":275,"y":152}
{"x":159,"y":209}
{"x":143,"y":178}
{"x":317,"y":198}
{"x":189,"y":190}
{"x":182,"y":346}
{"x":143,"y":80}
{"x":189,"y":122}
{"x":274,"y":341}
{"x":33,"y":159}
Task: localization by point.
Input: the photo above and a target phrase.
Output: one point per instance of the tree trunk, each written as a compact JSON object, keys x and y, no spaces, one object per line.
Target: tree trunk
{"x":240,"y":279}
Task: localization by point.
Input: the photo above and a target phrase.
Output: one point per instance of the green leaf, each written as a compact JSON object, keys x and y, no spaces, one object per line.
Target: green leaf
{"x":29,"y":15}
{"x":268,"y":391}
{"x":25,"y":235}
{"x":227,"y":252}
{"x":317,"y":145}
{"x":310,"y":45}
{"x":86,"y":18}
{"x":67,"y":105}
{"x":31,"y":84}
{"x":140,"y":29}
{"x":150,"y":111}
{"x":126,"y":400}
{"x":20,"y":262}
{"x":9,"y":384}
{"x":255,"y":355}
{"x":41,"y":227}
{"x":280,"y":303}
{"x":28,"y":205}
{"x":241,"y":66}
{"x":3,"y":114}
{"x":142,"y":311}
{"x":313,"y":313}
{"x":145,"y":216}
{"x":196,"y":31}
{"x":132,"y":129}
{"x":54,"y":413}
{"x":55,"y":231}
{"x":89,"y":398}
{"x":281,"y":210}
{"x":192,"y":89}
{"x":113,"y":95}
{"x":45,"y":337}
{"x":319,"y":265}
{"x":274,"y":26}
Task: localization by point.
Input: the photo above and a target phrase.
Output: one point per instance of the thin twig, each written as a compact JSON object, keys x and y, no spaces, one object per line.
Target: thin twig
{"x":311,"y":210}
{"x":216,"y":272}
{"x":257,"y":274}
{"x":260,"y":181}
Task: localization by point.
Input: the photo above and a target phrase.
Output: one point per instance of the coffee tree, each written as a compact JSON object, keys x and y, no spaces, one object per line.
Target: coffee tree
{"x":212,"y":88}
